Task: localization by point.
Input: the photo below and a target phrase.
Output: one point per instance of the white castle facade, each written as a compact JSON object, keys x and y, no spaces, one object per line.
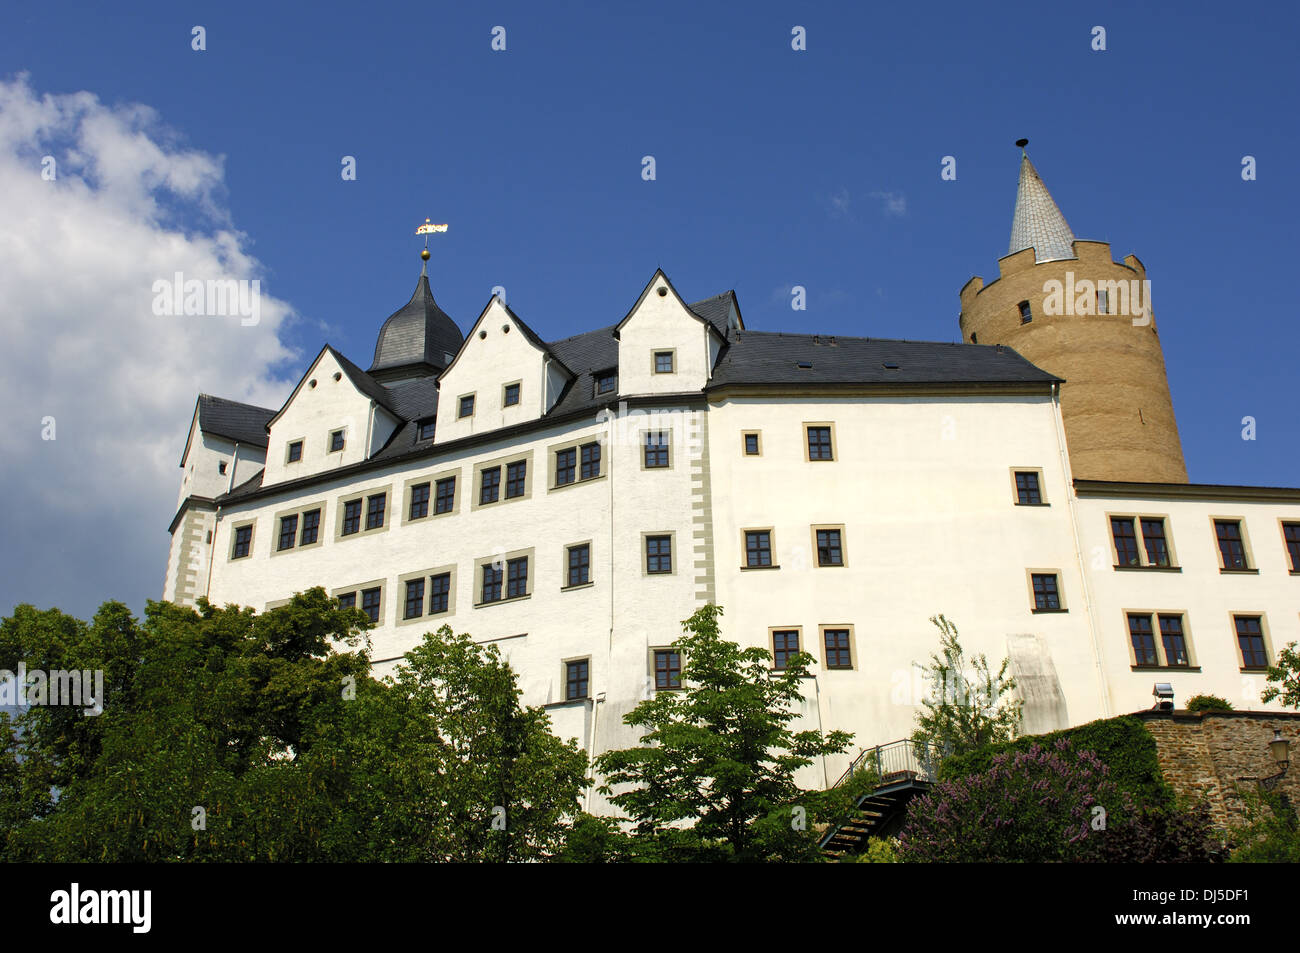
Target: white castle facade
{"x":571,"y":502}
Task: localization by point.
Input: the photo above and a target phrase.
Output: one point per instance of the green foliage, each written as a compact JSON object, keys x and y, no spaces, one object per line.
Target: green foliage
{"x":273,"y":726}
{"x":713,"y":776}
{"x":970,"y":705}
{"x":879,"y":850}
{"x":1286,"y":672}
{"x":1122,"y":744}
{"x":1208,"y":703}
{"x":1270,"y":832}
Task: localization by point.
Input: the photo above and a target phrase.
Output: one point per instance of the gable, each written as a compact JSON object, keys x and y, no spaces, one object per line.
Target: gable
{"x":661,"y":323}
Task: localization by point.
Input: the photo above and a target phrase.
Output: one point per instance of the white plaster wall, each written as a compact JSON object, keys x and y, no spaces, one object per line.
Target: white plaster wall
{"x":662,"y":323}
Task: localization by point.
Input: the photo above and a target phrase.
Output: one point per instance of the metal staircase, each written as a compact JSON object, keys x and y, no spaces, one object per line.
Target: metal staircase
{"x":904,"y":770}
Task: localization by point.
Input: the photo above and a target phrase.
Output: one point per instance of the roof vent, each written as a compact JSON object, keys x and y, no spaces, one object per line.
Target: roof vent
{"x":806,"y":365}
{"x":891,"y":366}
{"x":832,"y":341}
{"x":817,"y":339}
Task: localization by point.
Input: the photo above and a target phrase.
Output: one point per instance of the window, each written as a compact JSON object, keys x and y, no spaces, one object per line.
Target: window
{"x":419,"y":502}
{"x":566,"y":465}
{"x":590,"y":461}
{"x":445,"y":499}
{"x":785,"y":642}
{"x":1232,"y":548}
{"x":1173,"y":640}
{"x":511,"y":395}
{"x":492,"y":573}
{"x":1026,"y":313}
{"x":466,"y":406}
{"x":439,"y":593}
{"x":1153,"y":538}
{"x":515,"y":478}
{"x":752,"y":447}
{"x":295,"y":451}
{"x":517,"y":577}
{"x":819,"y":443}
{"x":575,"y":679}
{"x":351,"y":517}
{"x":221,"y":467}
{"x":288,"y":531}
{"x":370,"y":603}
{"x":375,"y":510}
{"x":1250,"y":638}
{"x":656,"y":449}
{"x":758,"y":548}
{"x":414,"y":599}
{"x":1291,"y":535}
{"x":668,"y":669}
{"x":310,"y":527}
{"x":830,"y":551}
{"x":606,"y":382}
{"x":837,"y":648}
{"x":336,"y":441}
{"x":427,"y":428}
{"x":663,"y":362}
{"x":659,"y":554}
{"x":347,"y":600}
{"x":1047,"y":596}
{"x":1144,"y":642}
{"x":1126,"y":547}
{"x":1141,"y":542}
{"x":1028,"y":491}
{"x":490,"y":486}
{"x":243,"y":541}
{"x":1103,"y":302}
{"x":579,"y":564}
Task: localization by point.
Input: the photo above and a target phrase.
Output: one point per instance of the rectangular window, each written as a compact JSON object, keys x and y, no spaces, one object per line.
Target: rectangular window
{"x":659,"y":554}
{"x":751,"y":444}
{"x":336,"y":441}
{"x":1047,"y":596}
{"x":668,"y":669}
{"x":466,"y":408}
{"x":414,"y":599}
{"x":419,"y":502}
{"x":490,"y":486}
{"x":579,"y":564}
{"x":1291,"y":533}
{"x":1153,"y":538}
{"x":575,"y":679}
{"x":1250,"y":638}
{"x":295,"y":451}
{"x":517,"y":577}
{"x":1103,"y":302}
{"x":347,"y":600}
{"x":288,"y":531}
{"x":515,"y":478}
{"x":566,"y":466}
{"x":590,"y":461}
{"x":1144,"y":641}
{"x":492,"y":575}
{"x":1026,"y":313}
{"x":351,"y":517}
{"x":427,"y":428}
{"x":1173,"y":640}
{"x":445,"y":499}
{"x":819,"y":444}
{"x":663,"y":362}
{"x":656,"y":449}
{"x":243,"y":541}
{"x":1232,"y":549}
{"x":370,"y":603}
{"x":375,"y":510}
{"x":830,"y":550}
{"x":1125,"y":536}
{"x":310,"y":527}
{"x":439,"y":593}
{"x":1028,"y":492}
{"x":837,"y":648}
{"x":758,"y":548}
{"x":511,"y":396}
{"x":785,"y":642}
{"x":605,"y":383}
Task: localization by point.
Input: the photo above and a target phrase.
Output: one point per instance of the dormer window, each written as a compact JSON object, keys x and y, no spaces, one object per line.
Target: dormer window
{"x":295,"y":451}
{"x":511,"y":395}
{"x":606,"y":382}
{"x":664,"y":362}
{"x":1026,"y":313}
{"x":466,"y":406}
{"x":426,"y":429}
{"x":336,"y":441}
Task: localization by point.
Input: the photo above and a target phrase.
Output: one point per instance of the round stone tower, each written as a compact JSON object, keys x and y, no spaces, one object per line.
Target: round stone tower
{"x":1068,"y":307}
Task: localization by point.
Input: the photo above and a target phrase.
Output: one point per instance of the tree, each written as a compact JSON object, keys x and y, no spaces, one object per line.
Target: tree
{"x":1208,"y":703}
{"x":1286,"y":672}
{"x":714,"y":775}
{"x":1269,"y":833}
{"x":970,"y":706}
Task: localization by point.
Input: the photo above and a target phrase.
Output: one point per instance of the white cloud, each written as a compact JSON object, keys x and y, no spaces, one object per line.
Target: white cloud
{"x":895,"y":203}
{"x":86,"y":514}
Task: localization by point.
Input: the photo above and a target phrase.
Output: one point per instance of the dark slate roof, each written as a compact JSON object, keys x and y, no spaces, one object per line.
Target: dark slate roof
{"x":244,"y":423}
{"x":364,"y":382}
{"x":414,"y":399}
{"x":419,"y":332}
{"x":768,"y":358}
{"x":716,"y":310}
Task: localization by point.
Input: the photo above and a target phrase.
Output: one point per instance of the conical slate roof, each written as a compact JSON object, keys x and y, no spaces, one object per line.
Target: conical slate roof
{"x":1037,"y":222}
{"x":418,"y":333}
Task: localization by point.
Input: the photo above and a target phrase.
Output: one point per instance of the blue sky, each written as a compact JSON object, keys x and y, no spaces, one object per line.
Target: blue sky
{"x":774,"y":168}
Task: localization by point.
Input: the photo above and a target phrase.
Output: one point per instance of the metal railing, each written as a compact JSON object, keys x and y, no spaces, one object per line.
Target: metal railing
{"x":920,"y":761}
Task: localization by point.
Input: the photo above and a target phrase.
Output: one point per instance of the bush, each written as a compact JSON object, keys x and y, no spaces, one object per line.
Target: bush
{"x":1208,"y":703}
{"x":1270,"y":833}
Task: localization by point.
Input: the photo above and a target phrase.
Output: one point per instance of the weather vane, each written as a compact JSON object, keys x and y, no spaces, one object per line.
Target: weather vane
{"x":426,"y":230}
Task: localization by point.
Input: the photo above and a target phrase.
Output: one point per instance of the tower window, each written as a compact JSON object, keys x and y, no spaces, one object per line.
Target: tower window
{"x":1026,"y":313}
{"x":656,"y":449}
{"x":668,"y":669}
{"x":658,"y":554}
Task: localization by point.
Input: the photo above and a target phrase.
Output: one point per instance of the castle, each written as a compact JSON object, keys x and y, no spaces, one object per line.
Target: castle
{"x":571,"y":501}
